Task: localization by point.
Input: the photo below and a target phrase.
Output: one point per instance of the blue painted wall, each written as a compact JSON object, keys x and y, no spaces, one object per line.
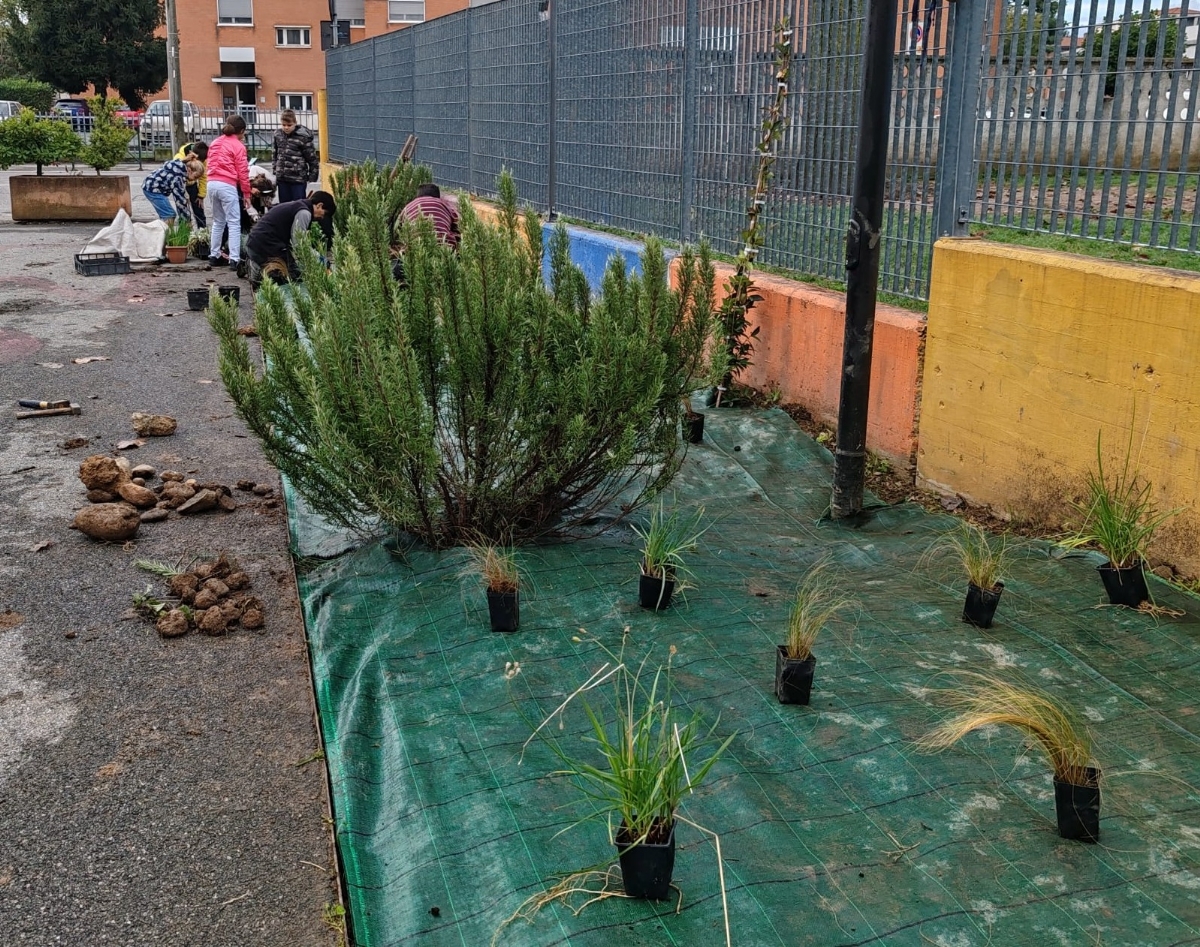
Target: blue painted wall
{"x":591,"y":251}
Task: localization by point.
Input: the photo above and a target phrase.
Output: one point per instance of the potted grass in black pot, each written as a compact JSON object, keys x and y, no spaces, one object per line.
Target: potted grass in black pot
{"x":665,"y":539}
{"x":1120,"y":519}
{"x":1050,"y":726}
{"x":818,"y":601}
{"x":984,"y":559}
{"x":497,"y":567}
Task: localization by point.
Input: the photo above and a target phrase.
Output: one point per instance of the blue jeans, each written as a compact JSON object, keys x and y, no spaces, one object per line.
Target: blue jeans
{"x":290,"y":191}
{"x":163,"y":205}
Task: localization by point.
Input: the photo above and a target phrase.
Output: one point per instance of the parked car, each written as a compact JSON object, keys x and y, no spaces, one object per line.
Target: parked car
{"x":132,"y":117}
{"x":9,"y":109}
{"x":77,"y":110}
{"x":155,"y":127}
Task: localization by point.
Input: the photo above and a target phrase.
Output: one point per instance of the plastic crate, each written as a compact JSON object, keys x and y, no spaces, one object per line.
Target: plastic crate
{"x":102,"y":264}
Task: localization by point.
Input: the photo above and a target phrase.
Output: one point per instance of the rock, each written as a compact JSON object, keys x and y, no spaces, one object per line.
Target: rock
{"x":217,"y":587}
{"x":169,"y":475}
{"x":164,"y":505}
{"x":110,"y":521}
{"x":172,"y":624}
{"x":101,"y":496}
{"x":231,"y":611}
{"x":205,"y":598}
{"x":214,"y":622}
{"x":262,"y":490}
{"x":193,"y":483}
{"x":145,"y":471}
{"x":175,"y":494}
{"x":126,"y":468}
{"x":221,"y":567}
{"x":153,"y":425}
{"x":218,"y":488}
{"x":227,"y":503}
{"x":238,"y":580}
{"x":101,"y":473}
{"x":182,"y":583}
{"x":202,"y":501}
{"x":138,"y":496}
{"x":140,"y":481}
{"x":156,"y":515}
{"x":203,"y":571}
{"x":246,"y":485}
{"x":1164,"y":572}
{"x":253,"y":619}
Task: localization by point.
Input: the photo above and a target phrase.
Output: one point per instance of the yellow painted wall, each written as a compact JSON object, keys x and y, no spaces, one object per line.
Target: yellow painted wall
{"x":1029,"y":354}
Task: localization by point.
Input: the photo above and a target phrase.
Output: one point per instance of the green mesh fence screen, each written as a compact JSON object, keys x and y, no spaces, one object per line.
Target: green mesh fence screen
{"x":835,"y":830}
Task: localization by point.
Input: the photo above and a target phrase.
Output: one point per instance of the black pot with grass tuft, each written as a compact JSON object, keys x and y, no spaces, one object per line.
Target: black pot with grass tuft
{"x":980,"y":606}
{"x":1078,"y":808}
{"x":647,"y":867}
{"x":654,"y":592}
{"x":793,"y":677}
{"x":504,"y":609}
{"x":1125,"y":585}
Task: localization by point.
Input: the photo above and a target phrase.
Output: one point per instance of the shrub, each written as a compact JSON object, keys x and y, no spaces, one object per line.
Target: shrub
{"x":471,"y":403}
{"x":35,"y":95}
{"x":397,"y":183}
{"x":27,"y":139}
{"x":109,"y":142}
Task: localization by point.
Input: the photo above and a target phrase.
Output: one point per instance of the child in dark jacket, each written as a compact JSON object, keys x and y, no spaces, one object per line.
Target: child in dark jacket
{"x":296,"y":163}
{"x":271,"y":239}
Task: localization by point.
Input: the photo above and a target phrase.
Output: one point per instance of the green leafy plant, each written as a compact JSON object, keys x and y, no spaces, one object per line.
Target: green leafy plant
{"x":665,"y":539}
{"x":473,"y":402}
{"x":163,"y":569}
{"x":983,"y":557}
{"x":38,"y":96}
{"x":735,"y":338}
{"x":179,"y":232}
{"x":495,"y":565}
{"x":397,"y":183}
{"x":147,"y":604}
{"x":108,"y":143}
{"x":1119,"y":515}
{"x":198,"y":243}
{"x":1049,"y":725}
{"x":27,"y":139}
{"x":818,"y":601}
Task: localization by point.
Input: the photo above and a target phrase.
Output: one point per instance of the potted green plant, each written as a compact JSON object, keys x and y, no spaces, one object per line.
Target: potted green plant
{"x":198,"y":244}
{"x":665,"y":539}
{"x":497,"y":567}
{"x":984,"y":558}
{"x":1051,"y":728}
{"x":818,"y":601}
{"x":1119,"y":518}
{"x":179,"y":231}
{"x":639,"y":764}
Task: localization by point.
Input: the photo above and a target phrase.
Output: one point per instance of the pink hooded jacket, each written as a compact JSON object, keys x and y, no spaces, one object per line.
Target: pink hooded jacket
{"x":227,"y":163}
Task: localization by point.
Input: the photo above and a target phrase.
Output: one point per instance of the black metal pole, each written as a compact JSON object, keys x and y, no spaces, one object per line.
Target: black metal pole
{"x":862,"y":259}
{"x":552,"y":110}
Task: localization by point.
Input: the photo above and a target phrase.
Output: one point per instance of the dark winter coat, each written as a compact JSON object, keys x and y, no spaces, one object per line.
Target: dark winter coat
{"x":295,"y":157}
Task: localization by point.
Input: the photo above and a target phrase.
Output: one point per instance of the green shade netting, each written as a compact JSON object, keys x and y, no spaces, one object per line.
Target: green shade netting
{"x":834,"y":829}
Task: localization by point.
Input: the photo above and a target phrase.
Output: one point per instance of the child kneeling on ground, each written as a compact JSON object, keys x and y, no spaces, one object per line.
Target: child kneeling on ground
{"x":273,"y":235}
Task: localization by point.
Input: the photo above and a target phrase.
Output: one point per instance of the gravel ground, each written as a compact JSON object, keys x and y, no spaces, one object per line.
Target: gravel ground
{"x":150,"y":791}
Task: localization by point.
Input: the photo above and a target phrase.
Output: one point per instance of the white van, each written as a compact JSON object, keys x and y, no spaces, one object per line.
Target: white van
{"x":155,"y":129}
{"x":9,"y":109}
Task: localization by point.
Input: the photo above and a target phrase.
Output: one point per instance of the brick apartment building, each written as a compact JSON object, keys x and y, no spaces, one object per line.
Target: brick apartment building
{"x":266,"y":54}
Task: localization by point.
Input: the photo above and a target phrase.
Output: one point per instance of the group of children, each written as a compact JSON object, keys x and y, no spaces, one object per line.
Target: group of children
{"x":220,"y":170}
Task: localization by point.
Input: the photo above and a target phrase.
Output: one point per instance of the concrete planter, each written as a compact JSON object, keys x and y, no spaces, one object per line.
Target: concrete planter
{"x":69,"y":197}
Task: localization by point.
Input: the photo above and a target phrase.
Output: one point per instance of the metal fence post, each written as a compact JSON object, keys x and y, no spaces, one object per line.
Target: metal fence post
{"x":552,"y":107}
{"x":954,"y":196}
{"x":375,"y":101}
{"x":691,"y":56}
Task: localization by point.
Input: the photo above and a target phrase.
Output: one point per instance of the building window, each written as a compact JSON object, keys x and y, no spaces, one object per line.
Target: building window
{"x":296,"y":101}
{"x":352,"y":10}
{"x":406,"y":11}
{"x":293,"y":36}
{"x":235,"y":12}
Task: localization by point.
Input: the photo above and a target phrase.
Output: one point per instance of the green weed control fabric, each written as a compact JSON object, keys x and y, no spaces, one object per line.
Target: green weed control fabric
{"x":835,"y":830}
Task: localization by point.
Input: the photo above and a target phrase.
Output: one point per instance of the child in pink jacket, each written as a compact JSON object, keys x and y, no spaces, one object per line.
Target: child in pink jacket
{"x":229,"y":187}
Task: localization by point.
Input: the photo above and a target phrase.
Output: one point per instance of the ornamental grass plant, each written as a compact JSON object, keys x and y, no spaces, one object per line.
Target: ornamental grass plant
{"x":983,"y":558}
{"x":665,"y":539}
{"x":472,"y":402}
{"x":818,"y":601}
{"x":1047,"y":723}
{"x":496,"y":567}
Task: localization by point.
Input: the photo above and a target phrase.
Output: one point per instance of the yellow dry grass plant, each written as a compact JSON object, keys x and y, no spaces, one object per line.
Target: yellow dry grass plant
{"x":1046,"y":723}
{"x":495,"y":565}
{"x":982,"y":556}
{"x":818,"y":601}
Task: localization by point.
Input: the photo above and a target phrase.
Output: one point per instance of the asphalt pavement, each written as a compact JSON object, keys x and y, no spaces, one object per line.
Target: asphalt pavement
{"x":152,"y":791}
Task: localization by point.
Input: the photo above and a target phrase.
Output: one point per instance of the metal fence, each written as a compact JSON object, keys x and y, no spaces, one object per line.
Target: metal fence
{"x":643,"y":115}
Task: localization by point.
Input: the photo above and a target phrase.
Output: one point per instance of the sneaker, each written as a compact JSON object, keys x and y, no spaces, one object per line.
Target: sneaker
{"x":214,"y":261}
{"x":233,"y":265}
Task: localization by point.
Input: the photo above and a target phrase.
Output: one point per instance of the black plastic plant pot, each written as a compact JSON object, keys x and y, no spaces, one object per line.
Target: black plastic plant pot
{"x":793,"y":678}
{"x":198,"y":299}
{"x":1078,"y":808}
{"x":504,"y":608}
{"x":693,"y":428}
{"x":231,"y":294}
{"x":646,"y":867}
{"x":981,"y":604}
{"x":655,"y":593}
{"x":1125,"y":585}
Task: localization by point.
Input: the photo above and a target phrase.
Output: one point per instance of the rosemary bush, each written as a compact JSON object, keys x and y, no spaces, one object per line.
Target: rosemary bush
{"x":473,"y":403}
{"x":397,"y":183}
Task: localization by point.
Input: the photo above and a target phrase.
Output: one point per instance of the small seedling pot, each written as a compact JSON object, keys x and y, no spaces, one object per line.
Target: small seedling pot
{"x":793,"y":679}
{"x":176,"y":254}
{"x":654,"y":592}
{"x":981,"y":604}
{"x":198,"y":299}
{"x":504,"y":609}
{"x":646,"y":868}
{"x":693,"y":428}
{"x":1125,"y":586}
{"x":1078,"y":808}
{"x":231,"y":294}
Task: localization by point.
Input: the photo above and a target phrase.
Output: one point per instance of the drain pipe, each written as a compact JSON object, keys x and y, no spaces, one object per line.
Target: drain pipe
{"x":862,"y":260}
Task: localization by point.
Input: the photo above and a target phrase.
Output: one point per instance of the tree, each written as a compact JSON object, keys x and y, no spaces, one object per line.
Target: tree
{"x":27,"y":139}
{"x":1039,"y":21}
{"x":103,"y":43}
{"x":109,"y":141}
{"x":1132,"y":29}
